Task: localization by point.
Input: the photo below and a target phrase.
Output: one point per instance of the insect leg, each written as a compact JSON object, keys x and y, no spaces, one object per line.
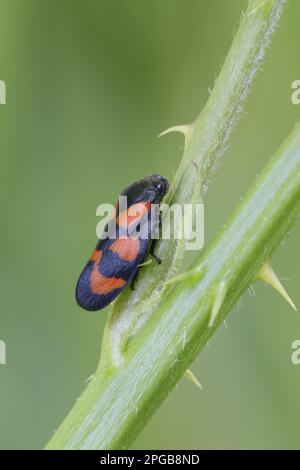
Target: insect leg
{"x":151,"y":251}
{"x":134,"y":279}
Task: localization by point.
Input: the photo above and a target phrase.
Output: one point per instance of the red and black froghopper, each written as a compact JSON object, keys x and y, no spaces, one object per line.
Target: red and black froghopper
{"x":115,"y":262}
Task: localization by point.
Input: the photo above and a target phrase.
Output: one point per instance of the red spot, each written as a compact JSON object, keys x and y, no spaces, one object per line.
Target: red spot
{"x":133,"y":214}
{"x":100,"y":284}
{"x":126,"y":248}
{"x":96,"y":255}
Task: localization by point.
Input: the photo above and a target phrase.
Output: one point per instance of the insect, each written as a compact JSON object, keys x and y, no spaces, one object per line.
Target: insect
{"x":115,"y":261}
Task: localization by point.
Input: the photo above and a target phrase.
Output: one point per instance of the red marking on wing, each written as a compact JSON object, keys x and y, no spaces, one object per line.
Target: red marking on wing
{"x":126,"y":248}
{"x":100,"y":284}
{"x":133,"y":214}
{"x":96,"y":255}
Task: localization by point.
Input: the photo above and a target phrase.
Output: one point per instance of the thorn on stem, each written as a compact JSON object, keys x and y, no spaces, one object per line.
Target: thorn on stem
{"x":267,"y":275}
{"x":145,"y":263}
{"x":190,"y":376}
{"x":185,"y":129}
{"x":188,"y":275}
{"x":218,"y":301}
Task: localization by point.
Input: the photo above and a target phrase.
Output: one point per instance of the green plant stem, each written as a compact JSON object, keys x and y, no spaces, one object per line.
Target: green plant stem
{"x":153,"y":334}
{"x":205,"y":143}
{"x":112,"y":411}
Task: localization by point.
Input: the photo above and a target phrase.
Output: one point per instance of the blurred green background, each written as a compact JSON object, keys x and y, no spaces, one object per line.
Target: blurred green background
{"x":90,"y":84}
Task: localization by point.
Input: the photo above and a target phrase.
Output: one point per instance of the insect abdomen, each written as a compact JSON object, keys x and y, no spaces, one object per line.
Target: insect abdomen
{"x":108,"y":272}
